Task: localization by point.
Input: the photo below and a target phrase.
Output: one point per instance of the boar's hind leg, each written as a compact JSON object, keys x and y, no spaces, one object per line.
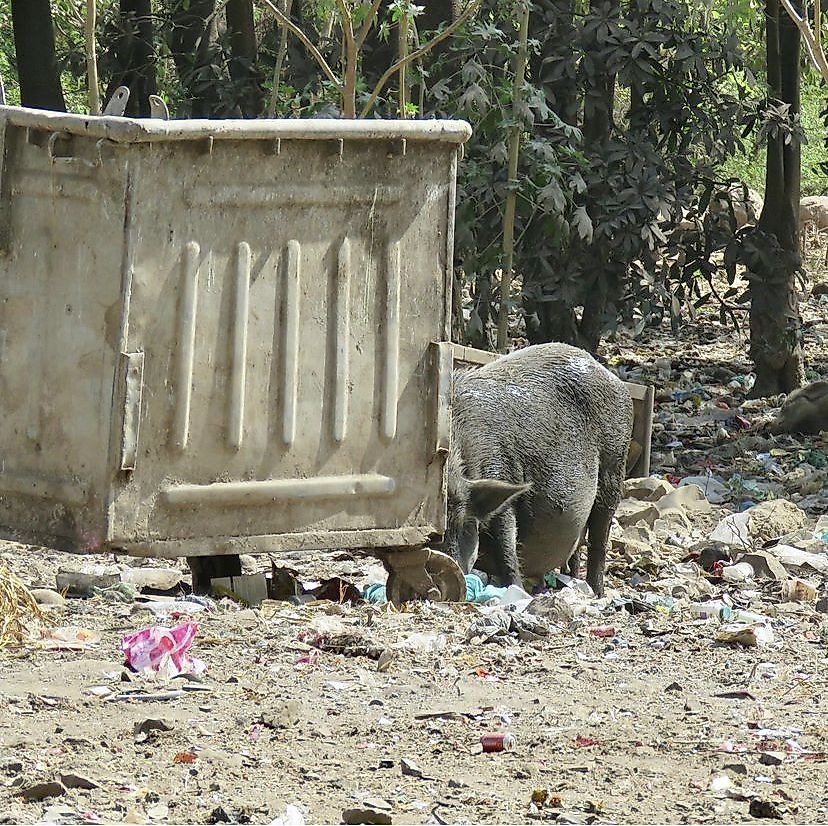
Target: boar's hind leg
{"x":503,"y":529}
{"x":573,"y":566}
{"x":598,"y":524}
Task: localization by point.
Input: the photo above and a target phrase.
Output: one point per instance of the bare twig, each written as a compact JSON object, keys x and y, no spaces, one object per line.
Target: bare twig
{"x":417,"y":53}
{"x":315,"y":53}
{"x":92,"y":60}
{"x":280,"y":59}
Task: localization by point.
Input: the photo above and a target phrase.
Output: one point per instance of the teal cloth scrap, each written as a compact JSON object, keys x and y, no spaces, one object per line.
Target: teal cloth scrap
{"x":476,"y":591}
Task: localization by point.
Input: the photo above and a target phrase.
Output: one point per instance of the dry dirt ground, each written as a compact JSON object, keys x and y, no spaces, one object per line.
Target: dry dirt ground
{"x":618,"y":717}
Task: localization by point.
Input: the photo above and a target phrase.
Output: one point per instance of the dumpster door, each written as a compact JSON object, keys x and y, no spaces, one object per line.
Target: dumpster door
{"x":279,"y":389}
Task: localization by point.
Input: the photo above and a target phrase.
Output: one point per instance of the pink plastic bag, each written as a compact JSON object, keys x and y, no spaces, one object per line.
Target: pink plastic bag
{"x":163,"y":650}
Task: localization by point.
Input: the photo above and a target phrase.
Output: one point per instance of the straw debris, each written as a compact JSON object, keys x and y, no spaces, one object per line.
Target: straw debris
{"x":17,"y":610}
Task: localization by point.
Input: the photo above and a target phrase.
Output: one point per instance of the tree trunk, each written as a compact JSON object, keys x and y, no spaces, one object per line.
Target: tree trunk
{"x":135,"y":56}
{"x":775,"y":321}
{"x":244,"y":54}
{"x":550,"y":321}
{"x":600,"y":99}
{"x":34,"y":44}
{"x":193,"y":30}
{"x":601,"y":297}
{"x":554,"y":23}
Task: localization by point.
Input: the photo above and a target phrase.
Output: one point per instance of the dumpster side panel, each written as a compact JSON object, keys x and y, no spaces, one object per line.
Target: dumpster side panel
{"x":62,"y":216}
{"x":284,"y":299}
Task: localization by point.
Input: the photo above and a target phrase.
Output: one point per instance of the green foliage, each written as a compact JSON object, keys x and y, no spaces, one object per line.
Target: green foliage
{"x":749,"y":166}
{"x":595,"y":217}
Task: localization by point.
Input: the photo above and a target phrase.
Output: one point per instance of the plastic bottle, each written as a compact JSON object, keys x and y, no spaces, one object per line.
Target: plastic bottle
{"x":714,"y":608}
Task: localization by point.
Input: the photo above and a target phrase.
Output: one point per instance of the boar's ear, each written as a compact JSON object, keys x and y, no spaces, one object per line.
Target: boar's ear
{"x":488,"y":496}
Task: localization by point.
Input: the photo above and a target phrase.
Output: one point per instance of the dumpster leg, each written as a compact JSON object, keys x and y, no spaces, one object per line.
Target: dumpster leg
{"x":422,"y":573}
{"x":205,"y":568}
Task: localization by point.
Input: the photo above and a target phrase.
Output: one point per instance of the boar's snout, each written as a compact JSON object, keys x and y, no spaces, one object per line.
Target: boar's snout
{"x":471,"y":503}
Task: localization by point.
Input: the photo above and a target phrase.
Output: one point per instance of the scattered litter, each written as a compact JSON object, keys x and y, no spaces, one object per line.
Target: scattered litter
{"x":798,"y":590}
{"x":148,"y":696}
{"x":748,"y":635}
{"x":69,"y":638}
{"x":292,"y":816}
{"x":423,"y":642}
{"x":184,"y":757}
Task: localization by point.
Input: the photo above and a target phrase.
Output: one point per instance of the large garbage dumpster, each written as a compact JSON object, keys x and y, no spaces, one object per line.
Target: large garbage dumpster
{"x":217,"y":336}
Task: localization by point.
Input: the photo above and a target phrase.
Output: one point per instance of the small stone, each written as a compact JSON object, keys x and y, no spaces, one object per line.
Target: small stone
{"x":410,"y":768}
{"x":764,"y":809}
{"x":76,"y":781}
{"x":385,"y":659}
{"x":771,"y":758}
{"x":42,"y":791}
{"x":377,"y":803}
{"x":354,"y":816}
{"x":46,"y":596}
{"x":142,"y":730}
{"x":158,"y":812}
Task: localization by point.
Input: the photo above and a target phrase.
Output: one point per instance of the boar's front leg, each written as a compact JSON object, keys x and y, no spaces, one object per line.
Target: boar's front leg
{"x":503,"y":529}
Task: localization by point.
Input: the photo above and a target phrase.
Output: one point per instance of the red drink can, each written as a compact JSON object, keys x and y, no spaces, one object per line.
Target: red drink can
{"x":497,"y":742}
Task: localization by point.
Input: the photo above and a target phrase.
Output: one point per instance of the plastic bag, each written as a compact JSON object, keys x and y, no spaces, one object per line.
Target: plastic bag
{"x":163,"y":650}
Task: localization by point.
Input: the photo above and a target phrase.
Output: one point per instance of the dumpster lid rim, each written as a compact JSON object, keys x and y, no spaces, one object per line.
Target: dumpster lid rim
{"x":144,"y":130}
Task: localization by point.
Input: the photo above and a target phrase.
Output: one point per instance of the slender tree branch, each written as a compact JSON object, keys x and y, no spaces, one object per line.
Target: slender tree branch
{"x":812,"y":46}
{"x":367,"y":23}
{"x":402,"y":40}
{"x":280,"y":59}
{"x":347,"y":26}
{"x":521,"y":59}
{"x":417,"y":53}
{"x":92,"y":60}
{"x":349,"y":70}
{"x":315,"y":53}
